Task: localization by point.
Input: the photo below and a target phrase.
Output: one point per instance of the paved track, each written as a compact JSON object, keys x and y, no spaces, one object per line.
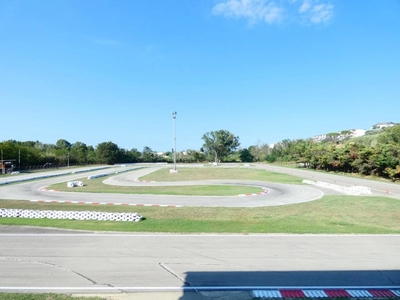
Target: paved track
{"x":97,"y":263}
{"x":378,"y":187}
{"x":278,"y":194}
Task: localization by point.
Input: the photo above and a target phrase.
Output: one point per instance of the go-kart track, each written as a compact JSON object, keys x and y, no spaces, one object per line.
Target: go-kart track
{"x":189,"y":266}
{"x":274,"y":193}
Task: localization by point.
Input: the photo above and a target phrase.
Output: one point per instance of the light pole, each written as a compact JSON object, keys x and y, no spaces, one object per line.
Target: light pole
{"x":68,"y":159}
{"x":174,"y":118}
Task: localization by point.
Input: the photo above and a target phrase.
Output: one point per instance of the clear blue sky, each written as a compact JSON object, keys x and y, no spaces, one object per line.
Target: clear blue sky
{"x":266,"y":70}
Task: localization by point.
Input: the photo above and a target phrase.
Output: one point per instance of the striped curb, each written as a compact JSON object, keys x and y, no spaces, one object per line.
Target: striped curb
{"x":327,"y":293}
{"x":105,"y":203}
{"x":145,"y":181}
{"x":44,"y":189}
{"x":255,"y":194}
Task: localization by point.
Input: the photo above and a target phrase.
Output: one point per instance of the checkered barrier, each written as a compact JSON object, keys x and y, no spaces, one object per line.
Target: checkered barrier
{"x":69,"y":215}
{"x":327,"y":293}
{"x":353,"y":190}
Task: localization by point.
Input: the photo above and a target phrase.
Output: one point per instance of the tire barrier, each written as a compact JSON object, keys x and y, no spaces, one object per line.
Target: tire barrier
{"x":72,"y":184}
{"x":69,"y":215}
{"x":353,"y":190}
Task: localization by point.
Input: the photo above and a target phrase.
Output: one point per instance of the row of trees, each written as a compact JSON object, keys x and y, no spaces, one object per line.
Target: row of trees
{"x":217,"y":146}
{"x":379,"y":156}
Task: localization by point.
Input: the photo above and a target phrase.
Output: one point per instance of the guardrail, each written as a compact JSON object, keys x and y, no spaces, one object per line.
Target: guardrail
{"x":43,"y":176}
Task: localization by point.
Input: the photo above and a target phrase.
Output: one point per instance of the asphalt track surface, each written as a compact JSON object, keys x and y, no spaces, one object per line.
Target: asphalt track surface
{"x":278,"y":194}
{"x":41,"y":260}
{"x":190,"y":266}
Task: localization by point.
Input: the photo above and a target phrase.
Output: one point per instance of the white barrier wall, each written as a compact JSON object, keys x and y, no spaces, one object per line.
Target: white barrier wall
{"x":353,"y":190}
{"x":69,"y":215}
{"x":47,"y":175}
{"x":111,"y":173}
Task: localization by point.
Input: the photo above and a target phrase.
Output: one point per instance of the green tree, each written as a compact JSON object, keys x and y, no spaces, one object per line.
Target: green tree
{"x":63,"y":144}
{"x":245,"y":155}
{"x":391,"y":135}
{"x":107,"y":153}
{"x":79,"y":152}
{"x":148,"y":155}
{"x":219,"y":144}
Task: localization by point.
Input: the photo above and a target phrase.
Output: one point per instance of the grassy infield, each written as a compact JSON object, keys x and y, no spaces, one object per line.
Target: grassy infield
{"x":330,"y":215}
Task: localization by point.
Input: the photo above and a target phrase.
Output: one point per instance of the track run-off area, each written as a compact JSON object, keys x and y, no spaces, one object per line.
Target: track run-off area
{"x":191,"y":265}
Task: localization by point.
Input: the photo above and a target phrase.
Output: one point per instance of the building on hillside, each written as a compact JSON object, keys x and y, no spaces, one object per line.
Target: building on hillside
{"x":340,"y":135}
{"x":319,"y":138}
{"x":358,"y":132}
{"x":382,"y":125}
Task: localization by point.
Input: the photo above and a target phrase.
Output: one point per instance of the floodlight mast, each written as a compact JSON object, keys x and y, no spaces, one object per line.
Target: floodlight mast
{"x":174,"y":117}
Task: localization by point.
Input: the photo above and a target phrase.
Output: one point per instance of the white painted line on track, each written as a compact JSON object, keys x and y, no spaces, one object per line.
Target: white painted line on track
{"x":206,"y":288}
{"x":272,"y":235}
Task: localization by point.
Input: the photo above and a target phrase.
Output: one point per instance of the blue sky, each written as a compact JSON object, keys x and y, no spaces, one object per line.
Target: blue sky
{"x":266,"y":70}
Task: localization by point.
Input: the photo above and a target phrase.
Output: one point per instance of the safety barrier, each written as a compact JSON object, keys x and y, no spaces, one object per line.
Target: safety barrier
{"x":70,"y":215}
{"x":353,"y":190}
{"x":43,"y":176}
{"x":111,"y":173}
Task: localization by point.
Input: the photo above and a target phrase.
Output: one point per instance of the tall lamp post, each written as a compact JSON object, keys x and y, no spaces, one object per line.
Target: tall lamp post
{"x":174,"y":118}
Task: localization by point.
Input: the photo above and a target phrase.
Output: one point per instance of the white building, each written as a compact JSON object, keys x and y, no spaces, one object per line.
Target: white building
{"x":383,"y":125}
{"x":358,"y":132}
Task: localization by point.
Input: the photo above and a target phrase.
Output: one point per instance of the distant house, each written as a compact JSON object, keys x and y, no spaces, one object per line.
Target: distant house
{"x":319,"y":138}
{"x":358,"y":132}
{"x":383,"y":125}
{"x":339,"y":136}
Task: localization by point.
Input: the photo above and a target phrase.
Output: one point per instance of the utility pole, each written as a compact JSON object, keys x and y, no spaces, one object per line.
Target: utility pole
{"x":174,"y":119}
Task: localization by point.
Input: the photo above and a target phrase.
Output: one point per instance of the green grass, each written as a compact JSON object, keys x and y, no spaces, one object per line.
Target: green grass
{"x":97,"y":186}
{"x":186,"y":174}
{"x":220,"y":173}
{"x":330,"y":215}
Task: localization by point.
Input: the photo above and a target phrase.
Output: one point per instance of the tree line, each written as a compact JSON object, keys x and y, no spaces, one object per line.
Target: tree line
{"x":377,"y":156}
{"x":23,"y":155}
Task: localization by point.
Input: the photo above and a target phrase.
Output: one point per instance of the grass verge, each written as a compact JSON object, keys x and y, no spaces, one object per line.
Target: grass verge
{"x":187,"y":174}
{"x":330,"y":215}
{"x":220,"y":173}
{"x":97,"y":186}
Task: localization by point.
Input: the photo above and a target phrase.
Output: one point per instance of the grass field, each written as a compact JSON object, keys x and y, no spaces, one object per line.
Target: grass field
{"x":187,"y":174}
{"x":330,"y":214}
{"x":97,"y":186}
{"x":215,"y":173}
